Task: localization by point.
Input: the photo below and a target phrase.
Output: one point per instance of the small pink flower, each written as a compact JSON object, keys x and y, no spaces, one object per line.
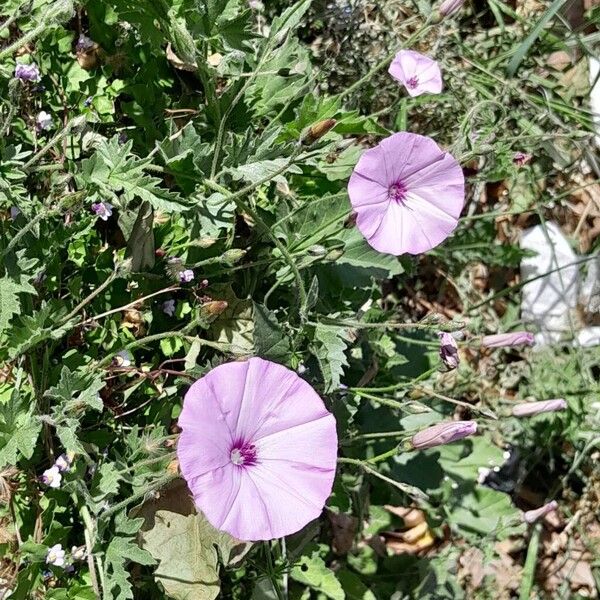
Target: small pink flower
{"x":27,"y":72}
{"x":43,"y":121}
{"x":520,"y":158}
{"x":52,"y":477}
{"x":258,"y":449}
{"x":407,"y":193}
{"x":503,"y":340}
{"x":102,"y":209}
{"x":450,"y":7}
{"x":443,"y":433}
{"x":531,"y":516}
{"x":449,"y":351}
{"x":418,"y":73}
{"x":56,"y":556}
{"x":527,"y":409}
{"x":63,"y":463}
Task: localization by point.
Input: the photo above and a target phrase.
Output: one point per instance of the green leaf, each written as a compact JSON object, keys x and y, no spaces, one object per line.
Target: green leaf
{"x":9,"y":299}
{"x":257,"y":171}
{"x":140,"y":245}
{"x":331,"y":344}
{"x":22,"y":441}
{"x":78,"y":390}
{"x":312,"y":571}
{"x":269,"y":339}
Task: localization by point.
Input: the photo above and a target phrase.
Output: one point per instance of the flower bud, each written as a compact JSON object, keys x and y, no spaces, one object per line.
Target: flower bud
{"x":450,"y":7}
{"x":443,"y":433}
{"x":448,"y":351}
{"x":503,"y":340}
{"x":317,"y":131}
{"x":531,"y":516}
{"x":527,"y":409}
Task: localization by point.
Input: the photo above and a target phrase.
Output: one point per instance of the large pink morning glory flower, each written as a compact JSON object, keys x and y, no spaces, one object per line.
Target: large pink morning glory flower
{"x":407,"y":194}
{"x":258,"y":449}
{"x":418,"y":73}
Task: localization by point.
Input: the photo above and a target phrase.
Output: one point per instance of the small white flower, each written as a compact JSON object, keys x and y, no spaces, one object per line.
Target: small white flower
{"x":56,"y":556}
{"x":63,"y":463}
{"x":78,"y":552}
{"x":44,"y":121}
{"x":123,"y":359}
{"x":102,"y":209}
{"x":186,"y":276}
{"x":52,"y":477}
{"x":168,"y":307}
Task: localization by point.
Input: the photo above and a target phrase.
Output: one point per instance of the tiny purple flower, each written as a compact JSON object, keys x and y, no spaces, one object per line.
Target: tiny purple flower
{"x":503,"y":340}
{"x":84,"y":43}
{"x":418,"y":73}
{"x":56,"y":556}
{"x":449,"y":351}
{"x":443,"y":433}
{"x":531,"y":516}
{"x":528,"y":409}
{"x":43,"y":121}
{"x":450,"y":7}
{"x":52,"y":477}
{"x":27,"y":72}
{"x":168,"y":307}
{"x":186,"y":276}
{"x":520,"y":158}
{"x":102,"y":209}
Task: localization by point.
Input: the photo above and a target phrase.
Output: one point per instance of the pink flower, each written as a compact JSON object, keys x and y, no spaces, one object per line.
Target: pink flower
{"x":449,"y":351}
{"x":102,"y":209}
{"x":418,"y":73}
{"x":52,"y":477}
{"x":502,"y":340}
{"x":520,"y":158}
{"x":443,"y":433}
{"x":27,"y":72}
{"x":531,"y":516}
{"x":527,"y":409}
{"x":407,"y":193}
{"x":258,"y":449}
{"x":186,"y":276}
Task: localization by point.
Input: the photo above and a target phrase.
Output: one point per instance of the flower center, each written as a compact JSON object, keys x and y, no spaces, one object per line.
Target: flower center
{"x":397,"y":192}
{"x":413,"y":82}
{"x":243,"y":454}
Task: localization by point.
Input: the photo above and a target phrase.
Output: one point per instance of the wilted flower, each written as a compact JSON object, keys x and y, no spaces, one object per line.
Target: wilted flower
{"x":258,"y":449}
{"x":52,"y":477}
{"x":27,"y":72}
{"x":43,"y":121}
{"x":527,"y":409}
{"x":520,"y":158}
{"x":443,"y":433}
{"x":102,"y":209}
{"x":531,"y":516}
{"x":78,"y":553}
{"x":502,"y":340}
{"x":449,"y":351}
{"x":418,"y":73}
{"x":63,"y":463}
{"x":407,"y":193}
{"x":56,"y":556}
{"x":318,"y":130}
{"x":450,"y":7}
{"x":124,"y":358}
{"x":168,"y":307}
{"x":186,"y":276}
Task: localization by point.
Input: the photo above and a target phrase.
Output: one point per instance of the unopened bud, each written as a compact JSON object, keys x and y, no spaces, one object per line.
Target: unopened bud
{"x":503,"y":340}
{"x":317,"y":131}
{"x":527,"y":409}
{"x":450,"y":7}
{"x":213,"y":308}
{"x":531,"y":516}
{"x":443,"y":433}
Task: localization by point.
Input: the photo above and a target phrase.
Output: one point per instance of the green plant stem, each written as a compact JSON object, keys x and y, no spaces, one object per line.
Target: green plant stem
{"x":384,"y":456}
{"x":243,"y":206}
{"x":272,"y":573}
{"x":385,"y":61}
{"x":134,"y":497}
{"x":395,"y":386}
{"x":530,"y":563}
{"x":89,"y":298}
{"x":89,"y":533}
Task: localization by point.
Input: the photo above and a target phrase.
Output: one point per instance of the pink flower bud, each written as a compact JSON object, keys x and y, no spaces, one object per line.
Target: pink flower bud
{"x":527,"y":409}
{"x":448,"y":351}
{"x":450,"y":7}
{"x":531,"y":516}
{"x":502,"y":340}
{"x":443,"y":433}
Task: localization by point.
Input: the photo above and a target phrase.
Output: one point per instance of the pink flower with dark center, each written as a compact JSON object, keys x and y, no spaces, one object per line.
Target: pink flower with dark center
{"x":418,"y":73}
{"x":407,"y":194}
{"x":258,"y":449}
